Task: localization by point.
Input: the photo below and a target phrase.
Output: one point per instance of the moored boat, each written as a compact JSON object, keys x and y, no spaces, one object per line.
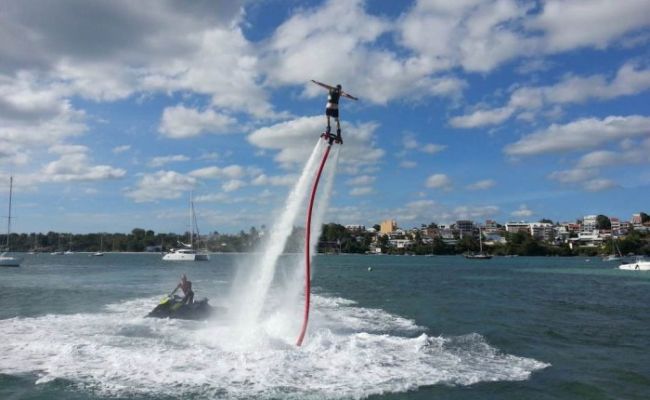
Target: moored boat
{"x":640,"y":264}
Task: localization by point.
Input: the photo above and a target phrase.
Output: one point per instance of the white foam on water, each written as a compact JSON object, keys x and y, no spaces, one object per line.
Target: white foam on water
{"x":352,"y":352}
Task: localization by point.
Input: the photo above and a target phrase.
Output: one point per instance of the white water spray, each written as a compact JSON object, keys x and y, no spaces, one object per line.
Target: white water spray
{"x":251,"y":296}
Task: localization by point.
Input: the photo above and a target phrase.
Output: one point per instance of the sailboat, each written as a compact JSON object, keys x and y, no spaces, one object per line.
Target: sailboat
{"x":5,"y":259}
{"x":101,"y":248}
{"x":616,"y":252}
{"x":480,"y":255}
{"x":187,"y":252}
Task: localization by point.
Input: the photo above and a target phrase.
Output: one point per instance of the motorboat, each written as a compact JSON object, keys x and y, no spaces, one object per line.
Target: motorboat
{"x":640,"y":264}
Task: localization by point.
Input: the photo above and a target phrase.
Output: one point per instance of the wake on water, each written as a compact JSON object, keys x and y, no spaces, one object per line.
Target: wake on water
{"x":349,"y":351}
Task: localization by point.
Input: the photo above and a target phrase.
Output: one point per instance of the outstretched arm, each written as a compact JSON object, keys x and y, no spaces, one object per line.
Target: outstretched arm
{"x":323,"y":85}
{"x":349,"y":96}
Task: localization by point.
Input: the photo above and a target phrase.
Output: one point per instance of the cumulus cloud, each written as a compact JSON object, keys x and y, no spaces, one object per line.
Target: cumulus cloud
{"x":522,"y":212}
{"x":233,"y":185}
{"x":430,"y":211}
{"x":573,"y":175}
{"x":482,"y":184}
{"x":229,"y":172}
{"x":638,"y":153}
{"x":584,"y":178}
{"x":180,"y":122}
{"x":74,"y":164}
{"x":361,"y":180}
{"x":482,"y":118}
{"x":278,"y":180}
{"x":295,"y":140}
{"x":294,"y":55}
{"x":596,"y":185}
{"x":438,"y":181}
{"x":595,"y":23}
{"x":581,"y":134}
{"x":161,"y":185}
{"x":408,"y":164}
{"x":157,"y":162}
{"x":630,"y":79}
{"x":121,"y":149}
{"x":361,"y":191}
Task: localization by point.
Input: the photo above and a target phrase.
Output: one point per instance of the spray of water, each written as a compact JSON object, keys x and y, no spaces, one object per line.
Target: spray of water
{"x":250,"y":292}
{"x":286,"y":319}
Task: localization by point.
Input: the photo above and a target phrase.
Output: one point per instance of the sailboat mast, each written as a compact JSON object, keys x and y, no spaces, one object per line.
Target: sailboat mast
{"x":11,"y":186}
{"x":191,"y":221}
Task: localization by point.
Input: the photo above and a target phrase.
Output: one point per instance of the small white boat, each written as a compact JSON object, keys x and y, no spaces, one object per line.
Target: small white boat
{"x":10,"y":261}
{"x":640,"y":264}
{"x":7,"y":260}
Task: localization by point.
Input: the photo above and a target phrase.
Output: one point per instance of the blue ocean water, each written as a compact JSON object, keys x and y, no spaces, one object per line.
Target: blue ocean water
{"x":382,"y":327}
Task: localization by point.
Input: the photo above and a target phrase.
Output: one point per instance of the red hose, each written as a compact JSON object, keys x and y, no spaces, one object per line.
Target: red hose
{"x":305,"y":320}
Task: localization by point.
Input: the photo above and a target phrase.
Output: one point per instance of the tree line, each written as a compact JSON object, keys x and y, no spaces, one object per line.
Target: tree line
{"x":335,"y":238}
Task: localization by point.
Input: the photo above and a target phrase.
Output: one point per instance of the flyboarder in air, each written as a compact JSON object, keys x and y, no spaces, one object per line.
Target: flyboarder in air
{"x":332,"y":110}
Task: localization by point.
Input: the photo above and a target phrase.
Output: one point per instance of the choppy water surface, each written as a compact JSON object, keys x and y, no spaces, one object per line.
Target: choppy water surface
{"x":412,"y":328}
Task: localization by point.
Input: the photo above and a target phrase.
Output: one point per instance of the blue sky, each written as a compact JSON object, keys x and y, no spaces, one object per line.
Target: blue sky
{"x":111,"y":112}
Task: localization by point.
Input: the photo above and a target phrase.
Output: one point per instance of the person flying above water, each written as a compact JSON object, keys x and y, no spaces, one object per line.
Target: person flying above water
{"x":332,"y":107}
{"x":186,"y":287}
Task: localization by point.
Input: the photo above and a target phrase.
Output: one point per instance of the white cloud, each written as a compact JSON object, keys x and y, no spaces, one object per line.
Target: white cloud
{"x":361,"y":191}
{"x":121,"y":149}
{"x":573,"y":24}
{"x":633,"y":153}
{"x":233,"y":185}
{"x":630,"y":79}
{"x":408,"y":164}
{"x":294,"y":56}
{"x":438,"y":181}
{"x":279,"y":180}
{"x":161,"y":185}
{"x":478,"y":36}
{"x":522,"y":212}
{"x":482,"y":118}
{"x":425,"y":211}
{"x":179,"y":122}
{"x":431,"y":148}
{"x":482,"y":184}
{"x":580,"y":134}
{"x":157,"y":162}
{"x":295,"y":140}
{"x":573,"y":175}
{"x":361,"y":180}
{"x":74,"y":164}
{"x":596,"y":185}
{"x":230,"y":172}
{"x":598,"y":159}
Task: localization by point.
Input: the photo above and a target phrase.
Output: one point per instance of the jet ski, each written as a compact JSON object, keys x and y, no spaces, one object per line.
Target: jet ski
{"x":173,"y":307}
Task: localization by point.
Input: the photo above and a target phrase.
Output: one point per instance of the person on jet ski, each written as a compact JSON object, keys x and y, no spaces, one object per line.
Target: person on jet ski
{"x":186,"y":287}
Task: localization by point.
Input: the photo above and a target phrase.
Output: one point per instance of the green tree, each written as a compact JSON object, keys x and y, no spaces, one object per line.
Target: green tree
{"x":644,"y":218}
{"x":603,"y":222}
